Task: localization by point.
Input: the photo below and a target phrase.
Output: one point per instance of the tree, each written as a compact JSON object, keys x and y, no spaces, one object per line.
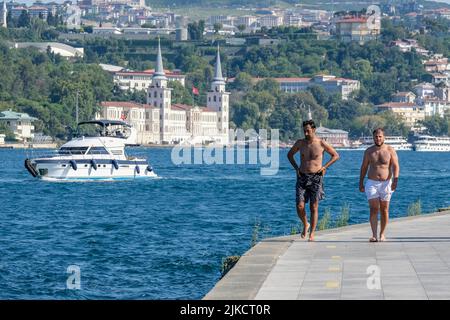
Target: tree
{"x":241,"y":28}
{"x":11,"y":23}
{"x":242,"y":82}
{"x":196,"y":30}
{"x":9,"y":134}
{"x":51,"y":19}
{"x":180,"y":94}
{"x":436,"y":125}
{"x":24,"y":20}
{"x":245,"y":115}
{"x":217,"y":27}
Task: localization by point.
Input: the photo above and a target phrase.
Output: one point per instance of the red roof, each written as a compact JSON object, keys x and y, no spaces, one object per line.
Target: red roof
{"x":165,"y":71}
{"x":352,"y":20}
{"x":397,"y":105}
{"x":309,"y":79}
{"x":292,"y":79}
{"x":125,"y":104}
{"x":185,"y":107}
{"x":205,"y":109}
{"x":149,"y":73}
{"x":37,"y":8}
{"x":179,"y":106}
{"x":404,"y":93}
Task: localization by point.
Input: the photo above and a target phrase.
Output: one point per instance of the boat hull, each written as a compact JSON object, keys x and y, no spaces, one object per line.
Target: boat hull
{"x":420,"y":148}
{"x":86,"y":170}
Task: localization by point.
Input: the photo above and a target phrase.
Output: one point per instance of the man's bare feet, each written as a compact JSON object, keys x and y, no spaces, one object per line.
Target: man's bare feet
{"x":311,"y":237}
{"x":373,"y":239}
{"x":305,"y":231}
{"x":382,"y":238}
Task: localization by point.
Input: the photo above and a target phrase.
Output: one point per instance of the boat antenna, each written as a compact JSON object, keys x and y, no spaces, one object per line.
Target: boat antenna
{"x":76,"y":107}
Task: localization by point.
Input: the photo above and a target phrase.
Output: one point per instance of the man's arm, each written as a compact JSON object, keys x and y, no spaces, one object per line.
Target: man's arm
{"x":363,"y":171}
{"x":395,"y":167}
{"x":332,"y":152}
{"x":295,"y":148}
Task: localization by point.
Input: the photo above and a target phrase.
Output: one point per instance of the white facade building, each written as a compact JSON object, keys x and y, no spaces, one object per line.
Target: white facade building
{"x":246,"y":21}
{"x":330,"y":83}
{"x":131,"y":80}
{"x":21,"y":124}
{"x":424,"y":90}
{"x":161,"y":122}
{"x":436,"y":107}
{"x":270,"y":21}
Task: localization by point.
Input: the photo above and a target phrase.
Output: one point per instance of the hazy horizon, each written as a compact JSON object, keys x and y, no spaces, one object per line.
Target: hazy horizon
{"x":29,"y":2}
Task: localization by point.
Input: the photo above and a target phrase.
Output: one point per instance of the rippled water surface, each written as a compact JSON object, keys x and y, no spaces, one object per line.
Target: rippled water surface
{"x":165,"y":238}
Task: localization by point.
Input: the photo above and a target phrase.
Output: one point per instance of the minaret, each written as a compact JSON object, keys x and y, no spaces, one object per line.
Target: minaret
{"x":4,"y":15}
{"x":218,"y":99}
{"x":309,"y":113}
{"x":159,"y":96}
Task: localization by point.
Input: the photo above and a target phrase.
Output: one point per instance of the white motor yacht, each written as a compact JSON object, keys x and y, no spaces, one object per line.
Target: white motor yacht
{"x":430,"y":143}
{"x":396,"y":142}
{"x":96,"y":153}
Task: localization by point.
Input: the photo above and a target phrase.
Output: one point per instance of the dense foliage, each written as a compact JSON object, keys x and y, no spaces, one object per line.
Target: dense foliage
{"x":45,"y":85}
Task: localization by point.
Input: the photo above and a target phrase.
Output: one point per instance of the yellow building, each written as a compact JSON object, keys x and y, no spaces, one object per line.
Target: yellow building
{"x":359,"y":29}
{"x":410,"y":112}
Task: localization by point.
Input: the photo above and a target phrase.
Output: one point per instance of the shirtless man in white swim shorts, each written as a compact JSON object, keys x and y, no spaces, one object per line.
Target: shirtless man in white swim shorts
{"x":382,"y":162}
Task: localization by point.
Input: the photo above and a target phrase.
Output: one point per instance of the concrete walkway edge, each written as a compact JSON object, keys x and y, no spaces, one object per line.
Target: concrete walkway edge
{"x":245,"y":279}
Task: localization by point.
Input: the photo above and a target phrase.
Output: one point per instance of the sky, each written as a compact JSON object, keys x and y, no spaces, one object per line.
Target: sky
{"x":29,"y":2}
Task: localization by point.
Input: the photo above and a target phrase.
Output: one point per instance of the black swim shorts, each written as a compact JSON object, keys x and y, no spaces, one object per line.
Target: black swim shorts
{"x":309,"y":187}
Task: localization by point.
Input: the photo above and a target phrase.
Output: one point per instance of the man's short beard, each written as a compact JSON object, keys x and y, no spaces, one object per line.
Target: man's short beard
{"x":379,"y":145}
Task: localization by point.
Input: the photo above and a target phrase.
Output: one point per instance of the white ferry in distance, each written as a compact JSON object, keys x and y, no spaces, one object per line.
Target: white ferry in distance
{"x":396,"y":142}
{"x":96,"y":153}
{"x":430,"y":143}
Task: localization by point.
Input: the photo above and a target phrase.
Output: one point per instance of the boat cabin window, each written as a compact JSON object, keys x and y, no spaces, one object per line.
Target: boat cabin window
{"x":72,"y":150}
{"x":97,"y":150}
{"x":94,"y":129}
{"x":117,"y":152}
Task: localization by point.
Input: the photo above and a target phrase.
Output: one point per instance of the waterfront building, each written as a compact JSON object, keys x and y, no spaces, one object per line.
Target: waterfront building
{"x":335,"y":137}
{"x":21,"y":124}
{"x":161,"y":122}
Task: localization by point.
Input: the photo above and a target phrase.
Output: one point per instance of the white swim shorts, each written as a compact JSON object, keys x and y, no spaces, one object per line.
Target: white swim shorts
{"x":378,"y":189}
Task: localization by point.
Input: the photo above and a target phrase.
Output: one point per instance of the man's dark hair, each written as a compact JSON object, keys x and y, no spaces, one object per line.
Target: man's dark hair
{"x":378,"y":129}
{"x":309,"y":122}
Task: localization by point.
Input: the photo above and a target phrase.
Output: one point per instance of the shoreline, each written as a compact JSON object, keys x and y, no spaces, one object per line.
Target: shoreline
{"x":335,"y":265}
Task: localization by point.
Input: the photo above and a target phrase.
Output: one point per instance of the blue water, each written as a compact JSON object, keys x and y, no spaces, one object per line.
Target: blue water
{"x":165,"y":238}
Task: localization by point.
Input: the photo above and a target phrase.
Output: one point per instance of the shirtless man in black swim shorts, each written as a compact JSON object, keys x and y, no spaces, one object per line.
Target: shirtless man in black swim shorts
{"x":310,"y":174}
